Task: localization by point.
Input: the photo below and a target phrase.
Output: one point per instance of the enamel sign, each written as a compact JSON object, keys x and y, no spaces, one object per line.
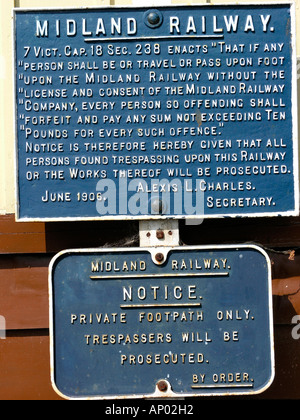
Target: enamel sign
{"x":193,"y":106}
{"x":174,"y":322}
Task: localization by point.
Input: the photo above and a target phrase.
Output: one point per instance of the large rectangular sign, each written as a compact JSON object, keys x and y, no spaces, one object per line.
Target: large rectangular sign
{"x":171,"y":322}
{"x":182,"y":111}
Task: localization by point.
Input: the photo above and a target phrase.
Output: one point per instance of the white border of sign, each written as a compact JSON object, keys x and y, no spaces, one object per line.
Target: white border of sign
{"x":294,"y":98}
{"x":153,"y":251}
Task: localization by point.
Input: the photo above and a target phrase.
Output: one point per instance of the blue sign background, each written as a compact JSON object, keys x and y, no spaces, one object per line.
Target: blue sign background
{"x":98,"y":354}
{"x":194,"y":107}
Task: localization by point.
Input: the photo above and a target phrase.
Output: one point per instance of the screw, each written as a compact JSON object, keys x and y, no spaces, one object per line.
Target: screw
{"x":160,"y":234}
{"x":153,"y":18}
{"x":159,"y":257}
{"x":162,"y":386}
{"x":157,"y":206}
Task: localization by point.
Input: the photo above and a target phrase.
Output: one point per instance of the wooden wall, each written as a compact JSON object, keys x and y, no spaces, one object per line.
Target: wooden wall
{"x":27,"y":248}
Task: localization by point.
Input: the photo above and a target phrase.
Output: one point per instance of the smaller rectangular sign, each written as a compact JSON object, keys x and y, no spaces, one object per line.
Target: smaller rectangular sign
{"x":173,"y":322}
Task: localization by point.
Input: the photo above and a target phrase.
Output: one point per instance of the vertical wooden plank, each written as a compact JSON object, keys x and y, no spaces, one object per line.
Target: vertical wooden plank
{"x":58,"y":3}
{"x":24,"y":292}
{"x":7,"y":186}
{"x":25,"y":367}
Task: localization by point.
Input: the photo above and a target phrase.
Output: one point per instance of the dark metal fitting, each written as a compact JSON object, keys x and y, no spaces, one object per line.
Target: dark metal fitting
{"x":159,"y":257}
{"x":153,"y":18}
{"x":162,"y":386}
{"x":160,"y":234}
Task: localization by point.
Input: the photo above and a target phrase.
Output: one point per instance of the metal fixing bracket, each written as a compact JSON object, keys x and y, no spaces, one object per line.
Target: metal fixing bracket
{"x":160,"y":236}
{"x":159,"y":233}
